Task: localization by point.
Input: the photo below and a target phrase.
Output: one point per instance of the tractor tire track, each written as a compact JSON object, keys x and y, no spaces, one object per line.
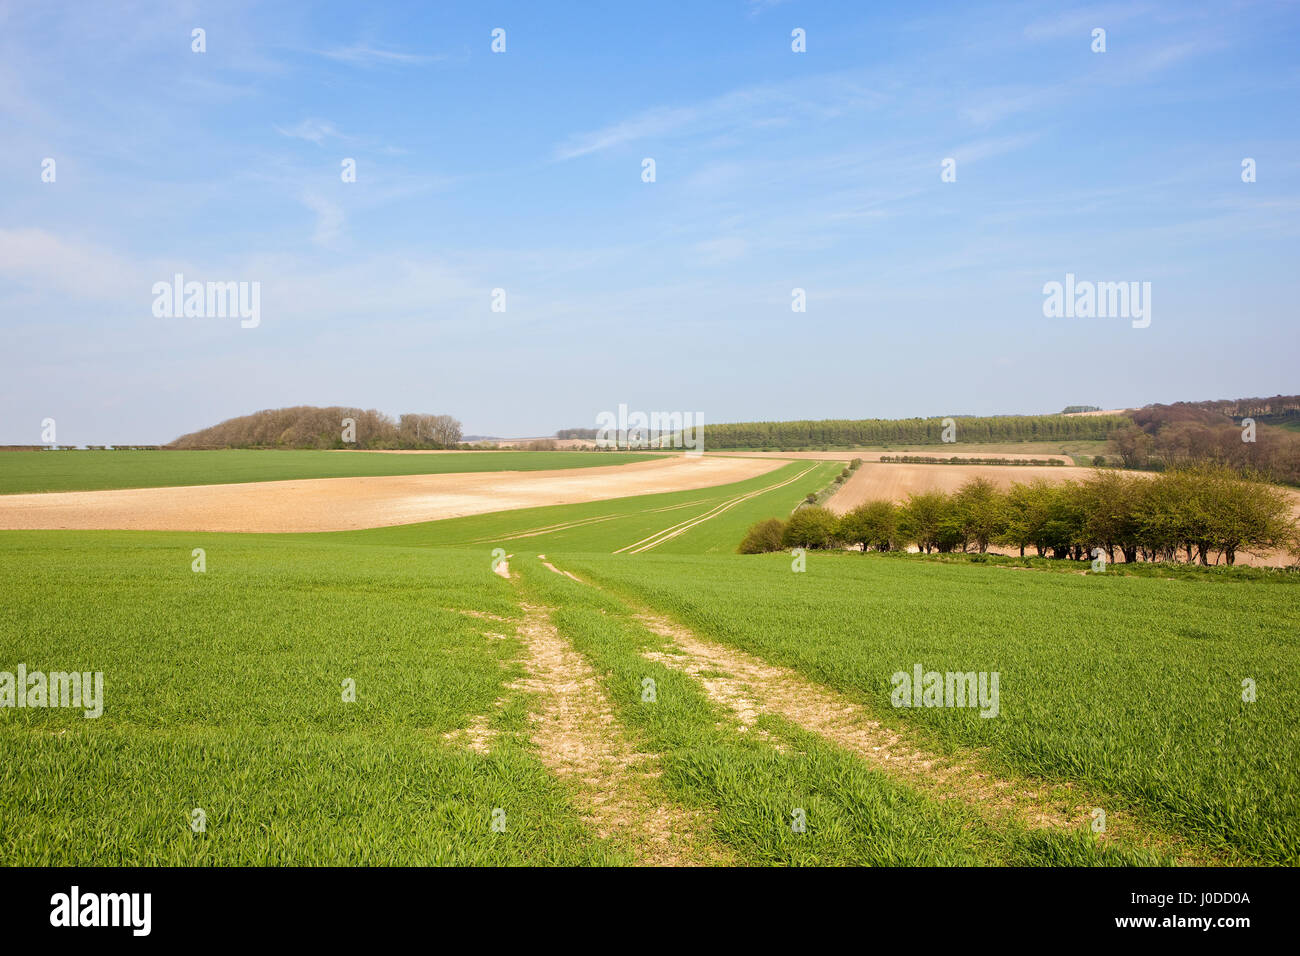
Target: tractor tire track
{"x":579,"y":739}
{"x":659,"y":537}
{"x":749,"y":687}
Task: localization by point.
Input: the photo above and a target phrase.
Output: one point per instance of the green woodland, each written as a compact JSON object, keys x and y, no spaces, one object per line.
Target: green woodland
{"x":791,"y":436}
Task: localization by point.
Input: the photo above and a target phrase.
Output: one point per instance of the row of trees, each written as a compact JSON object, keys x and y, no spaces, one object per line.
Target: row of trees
{"x":917,"y":431}
{"x":1277,"y":406}
{"x":1207,"y":514}
{"x":309,"y":426}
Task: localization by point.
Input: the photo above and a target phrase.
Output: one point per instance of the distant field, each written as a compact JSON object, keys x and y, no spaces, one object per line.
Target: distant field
{"x":35,"y":471}
{"x":344,"y":504}
{"x":1078,"y":449}
{"x":1075,"y":449}
{"x":895,"y":481}
{"x":717,"y":517}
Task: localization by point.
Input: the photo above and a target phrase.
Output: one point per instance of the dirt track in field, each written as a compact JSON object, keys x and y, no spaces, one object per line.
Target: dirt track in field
{"x":580,"y":740}
{"x":750,"y":687}
{"x":344,"y":504}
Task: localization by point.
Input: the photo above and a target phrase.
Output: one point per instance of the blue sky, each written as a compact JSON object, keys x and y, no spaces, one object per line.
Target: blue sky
{"x":522,"y":171}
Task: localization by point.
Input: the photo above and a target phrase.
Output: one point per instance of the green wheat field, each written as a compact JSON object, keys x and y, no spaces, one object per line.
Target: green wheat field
{"x":223,"y":688}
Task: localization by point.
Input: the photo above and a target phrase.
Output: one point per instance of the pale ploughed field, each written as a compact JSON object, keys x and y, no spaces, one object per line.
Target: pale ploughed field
{"x":345,"y":504}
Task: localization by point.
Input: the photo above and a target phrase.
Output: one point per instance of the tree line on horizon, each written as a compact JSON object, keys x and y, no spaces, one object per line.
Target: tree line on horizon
{"x":309,"y":426}
{"x":1275,"y":407}
{"x":1198,"y":515}
{"x":1155,"y":437}
{"x":793,"y":436}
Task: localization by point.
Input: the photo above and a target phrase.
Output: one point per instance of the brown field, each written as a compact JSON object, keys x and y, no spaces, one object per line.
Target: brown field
{"x":344,"y":504}
{"x":896,"y":482}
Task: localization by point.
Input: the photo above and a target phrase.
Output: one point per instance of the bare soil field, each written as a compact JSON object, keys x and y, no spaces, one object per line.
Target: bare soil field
{"x":896,"y":482}
{"x":344,"y":504}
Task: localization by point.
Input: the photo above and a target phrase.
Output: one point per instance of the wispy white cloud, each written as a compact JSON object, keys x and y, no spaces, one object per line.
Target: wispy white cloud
{"x":329,"y":218}
{"x":214,"y":90}
{"x":758,"y":107}
{"x":987,"y":148}
{"x":44,"y":261}
{"x":360,"y":54}
{"x":313,"y":130}
{"x":996,"y":104}
{"x":719,"y":251}
{"x":42,"y":268}
{"x":1155,"y":59}
{"x":654,"y":122}
{"x":1081,"y":21}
